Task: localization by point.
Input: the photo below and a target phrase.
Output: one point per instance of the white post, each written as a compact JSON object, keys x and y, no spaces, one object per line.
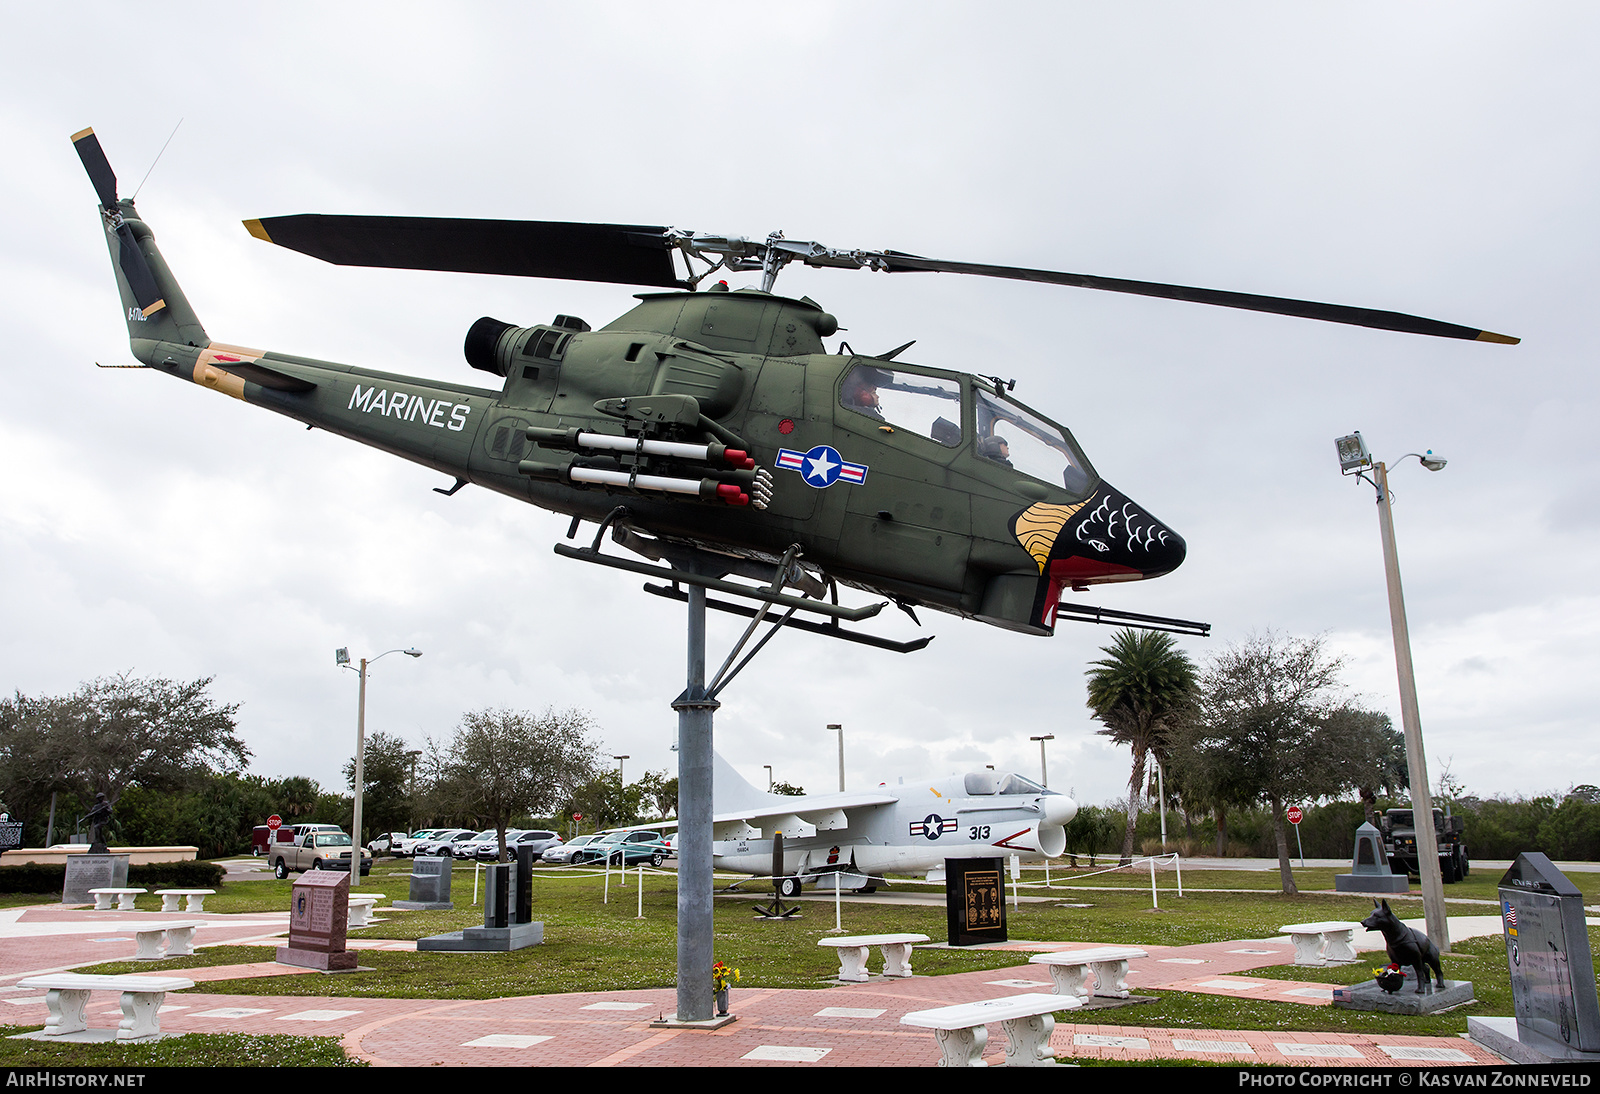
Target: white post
{"x":838,"y":922}
{"x":1154,"y":902}
{"x":1177,"y":864}
{"x":475,"y":868}
{"x":641,"y":892}
{"x":605,"y":897}
{"x":1016,"y":876}
{"x":1416,"y":760}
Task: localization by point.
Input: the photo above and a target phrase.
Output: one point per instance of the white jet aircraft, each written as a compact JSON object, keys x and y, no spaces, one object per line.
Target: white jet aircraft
{"x":851,"y":839}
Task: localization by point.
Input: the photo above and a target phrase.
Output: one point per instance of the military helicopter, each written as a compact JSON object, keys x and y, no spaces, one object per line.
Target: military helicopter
{"x":711,"y":432}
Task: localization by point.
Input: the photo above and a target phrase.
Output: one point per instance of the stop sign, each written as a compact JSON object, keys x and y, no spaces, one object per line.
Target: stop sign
{"x":1294,"y":814}
{"x":274,"y":823}
{"x":577,"y":816}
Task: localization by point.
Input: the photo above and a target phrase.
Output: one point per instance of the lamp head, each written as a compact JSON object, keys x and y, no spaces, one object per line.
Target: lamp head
{"x":413,"y":652}
{"x":1432,"y":462}
{"x":1353,"y":454}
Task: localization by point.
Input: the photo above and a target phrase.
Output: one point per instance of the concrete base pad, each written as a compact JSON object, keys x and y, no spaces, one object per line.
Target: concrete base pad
{"x":709,"y":1023}
{"x":316,"y":959}
{"x":423,"y":905}
{"x":1369,"y":996}
{"x":485,"y":939}
{"x":1371,"y":883}
{"x":89,"y":1037}
{"x":1522,"y":1046}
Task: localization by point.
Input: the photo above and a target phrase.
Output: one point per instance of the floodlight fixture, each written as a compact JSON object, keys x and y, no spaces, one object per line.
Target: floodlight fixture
{"x":1353,"y":454}
{"x":341,"y":656}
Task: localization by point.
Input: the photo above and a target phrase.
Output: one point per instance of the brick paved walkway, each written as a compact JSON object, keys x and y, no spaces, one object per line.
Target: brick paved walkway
{"x":846,"y":1025}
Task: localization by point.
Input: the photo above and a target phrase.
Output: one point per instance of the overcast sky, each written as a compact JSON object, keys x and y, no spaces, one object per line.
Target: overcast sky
{"x":1437,"y":159}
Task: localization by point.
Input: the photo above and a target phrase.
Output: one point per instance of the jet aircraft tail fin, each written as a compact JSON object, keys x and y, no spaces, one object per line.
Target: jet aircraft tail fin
{"x":153,"y":305}
{"x":730,"y":792}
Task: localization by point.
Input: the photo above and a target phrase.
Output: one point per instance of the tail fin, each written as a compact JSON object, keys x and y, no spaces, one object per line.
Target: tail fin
{"x":730,"y":793}
{"x":155,"y":308}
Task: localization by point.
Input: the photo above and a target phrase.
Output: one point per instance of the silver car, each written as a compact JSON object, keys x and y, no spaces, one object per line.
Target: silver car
{"x":562,"y":852}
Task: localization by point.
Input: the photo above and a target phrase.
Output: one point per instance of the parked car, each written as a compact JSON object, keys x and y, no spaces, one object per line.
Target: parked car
{"x":537,"y":838}
{"x":562,"y":852}
{"x":487,"y":840}
{"x":442,"y":842}
{"x":387,"y":843}
{"x":317,"y":849}
{"x":625,"y":846}
{"x":408,"y":846}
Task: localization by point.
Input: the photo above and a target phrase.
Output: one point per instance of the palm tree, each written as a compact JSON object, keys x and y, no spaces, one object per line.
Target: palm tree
{"x":1138,"y":691}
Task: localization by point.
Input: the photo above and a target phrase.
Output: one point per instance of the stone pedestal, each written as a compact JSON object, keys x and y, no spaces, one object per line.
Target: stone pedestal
{"x":1369,"y":996}
{"x":1524,"y":1046}
{"x":85,"y":872}
{"x":1369,"y":867}
{"x":507,"y":915}
{"x":430,"y":885}
{"x":319,"y":914}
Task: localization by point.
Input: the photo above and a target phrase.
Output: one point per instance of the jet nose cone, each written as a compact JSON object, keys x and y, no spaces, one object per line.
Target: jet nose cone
{"x":1058,"y":809}
{"x":1116,"y":532}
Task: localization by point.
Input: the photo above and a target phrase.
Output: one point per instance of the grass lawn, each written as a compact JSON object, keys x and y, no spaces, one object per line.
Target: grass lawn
{"x":190,"y":1050}
{"x":595,"y":946}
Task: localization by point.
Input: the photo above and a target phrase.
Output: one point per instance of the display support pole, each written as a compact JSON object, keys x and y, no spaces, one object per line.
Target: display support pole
{"x":1416,"y":759}
{"x":695,"y":710}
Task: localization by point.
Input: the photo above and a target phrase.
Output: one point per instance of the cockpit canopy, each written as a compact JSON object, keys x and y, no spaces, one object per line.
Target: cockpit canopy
{"x":983,"y":783}
{"x":999,"y":429}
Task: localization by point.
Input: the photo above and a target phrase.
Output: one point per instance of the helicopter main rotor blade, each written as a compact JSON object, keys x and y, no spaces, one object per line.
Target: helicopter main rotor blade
{"x":628,"y":254}
{"x":897,"y":262}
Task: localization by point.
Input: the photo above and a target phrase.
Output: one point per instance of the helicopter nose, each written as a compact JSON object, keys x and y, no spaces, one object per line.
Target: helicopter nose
{"x":1112,"y":538}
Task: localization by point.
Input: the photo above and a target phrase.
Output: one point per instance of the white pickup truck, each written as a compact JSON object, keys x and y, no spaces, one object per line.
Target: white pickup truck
{"x":316,"y":848}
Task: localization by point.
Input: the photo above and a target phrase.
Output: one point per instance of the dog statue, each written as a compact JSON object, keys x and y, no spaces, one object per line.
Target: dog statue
{"x":1407,"y":946}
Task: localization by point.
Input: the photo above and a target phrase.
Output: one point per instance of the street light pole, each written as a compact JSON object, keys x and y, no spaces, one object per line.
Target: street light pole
{"x":1044,"y":773}
{"x":840,"y":730}
{"x":1353,"y":455}
{"x":341,"y":657}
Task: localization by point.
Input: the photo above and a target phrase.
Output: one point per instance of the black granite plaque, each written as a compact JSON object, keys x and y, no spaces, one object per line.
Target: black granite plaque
{"x":1547,"y":952}
{"x":975,"y":901}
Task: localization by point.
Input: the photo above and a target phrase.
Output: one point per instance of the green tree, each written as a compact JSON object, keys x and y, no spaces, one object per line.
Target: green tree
{"x":605,"y":802}
{"x":161,"y":734}
{"x":1143,"y":686}
{"x":659,"y":793}
{"x":294,"y":797}
{"x":506,"y":763}
{"x":1273,"y":706}
{"x":386,"y":784}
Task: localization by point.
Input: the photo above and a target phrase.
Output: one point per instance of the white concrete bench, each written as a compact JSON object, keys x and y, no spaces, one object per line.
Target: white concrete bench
{"x":67,"y":997}
{"x":855,"y":949}
{"x":1071,"y":971}
{"x":102,"y":898}
{"x":158,"y":940}
{"x":1028,"y":1021}
{"x":361,"y":906}
{"x":1322,"y":943}
{"x":196,"y":901}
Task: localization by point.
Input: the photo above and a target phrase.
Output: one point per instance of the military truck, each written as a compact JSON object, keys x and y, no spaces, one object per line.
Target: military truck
{"x":1400,"y":842}
{"x":314,"y":847}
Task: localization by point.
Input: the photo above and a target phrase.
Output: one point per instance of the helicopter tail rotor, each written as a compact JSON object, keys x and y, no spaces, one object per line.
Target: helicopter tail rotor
{"x":131,"y":261}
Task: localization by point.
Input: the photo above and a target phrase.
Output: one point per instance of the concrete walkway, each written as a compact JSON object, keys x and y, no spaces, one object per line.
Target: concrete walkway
{"x":845,"y":1025}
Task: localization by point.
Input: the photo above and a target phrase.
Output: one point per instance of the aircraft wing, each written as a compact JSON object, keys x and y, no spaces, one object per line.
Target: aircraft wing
{"x":810,"y":808}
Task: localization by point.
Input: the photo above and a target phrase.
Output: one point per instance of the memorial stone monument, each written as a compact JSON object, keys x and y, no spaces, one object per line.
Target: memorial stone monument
{"x":319,"y":914}
{"x":975,"y":901}
{"x":430,"y":885}
{"x":1369,"y":867}
{"x":507,"y":912}
{"x":1552,"y":971}
{"x":99,"y":869}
